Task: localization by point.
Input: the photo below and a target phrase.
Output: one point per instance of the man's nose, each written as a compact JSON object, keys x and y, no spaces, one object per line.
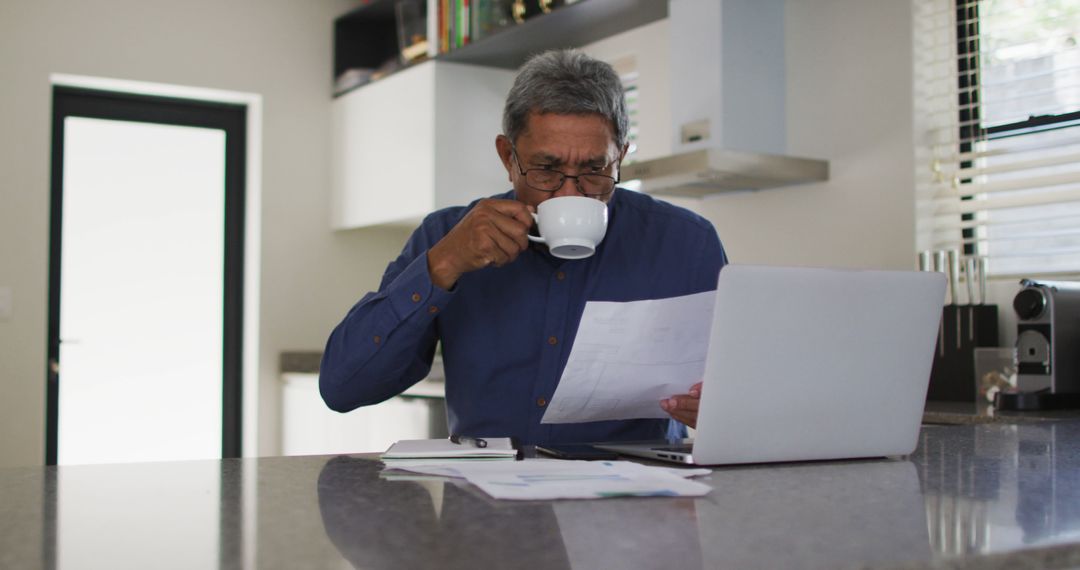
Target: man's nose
{"x":569,"y":188}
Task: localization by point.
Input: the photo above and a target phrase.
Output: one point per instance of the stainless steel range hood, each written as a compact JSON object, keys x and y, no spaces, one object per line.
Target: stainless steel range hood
{"x":709,"y":171}
{"x":728,"y":75}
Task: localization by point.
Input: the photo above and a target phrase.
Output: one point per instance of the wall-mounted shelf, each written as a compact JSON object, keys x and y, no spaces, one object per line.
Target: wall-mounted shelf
{"x":420,"y":137}
{"x":366,"y":37}
{"x":572,"y":25}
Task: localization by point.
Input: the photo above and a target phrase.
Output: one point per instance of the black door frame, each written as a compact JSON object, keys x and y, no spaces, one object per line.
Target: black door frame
{"x":232,"y":118}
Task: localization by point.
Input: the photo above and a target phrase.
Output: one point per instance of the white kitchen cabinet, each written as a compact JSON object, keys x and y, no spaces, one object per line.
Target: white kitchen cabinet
{"x":418,"y":140}
{"x":310,"y":428}
{"x":423,"y":137}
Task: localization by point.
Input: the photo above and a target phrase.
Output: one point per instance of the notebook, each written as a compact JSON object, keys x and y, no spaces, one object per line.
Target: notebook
{"x":444,"y":449}
{"x":811,"y":364}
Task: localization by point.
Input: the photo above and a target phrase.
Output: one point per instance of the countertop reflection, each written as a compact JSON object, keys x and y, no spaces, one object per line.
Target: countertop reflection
{"x":971,"y":495}
{"x":1001,"y":487}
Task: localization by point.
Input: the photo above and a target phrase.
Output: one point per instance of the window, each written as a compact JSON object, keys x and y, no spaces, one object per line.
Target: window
{"x":627,"y":69}
{"x":998,"y":119}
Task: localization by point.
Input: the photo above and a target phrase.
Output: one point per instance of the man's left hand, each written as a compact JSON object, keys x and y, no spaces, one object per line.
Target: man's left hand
{"x":684,"y":407}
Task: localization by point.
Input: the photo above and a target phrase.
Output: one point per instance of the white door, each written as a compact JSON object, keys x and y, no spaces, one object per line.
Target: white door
{"x":142,"y":297}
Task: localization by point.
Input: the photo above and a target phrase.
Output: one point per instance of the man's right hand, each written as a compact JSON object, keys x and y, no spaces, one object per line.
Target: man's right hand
{"x":494,"y":232}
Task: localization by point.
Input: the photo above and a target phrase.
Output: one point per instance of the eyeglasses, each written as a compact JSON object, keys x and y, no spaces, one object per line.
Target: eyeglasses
{"x":548,"y":180}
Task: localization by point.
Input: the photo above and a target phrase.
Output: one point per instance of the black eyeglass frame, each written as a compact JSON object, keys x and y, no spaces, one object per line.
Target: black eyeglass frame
{"x":577,"y":178}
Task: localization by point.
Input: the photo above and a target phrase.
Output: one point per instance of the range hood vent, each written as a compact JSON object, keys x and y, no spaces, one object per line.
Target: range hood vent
{"x":709,"y":171}
{"x":728,"y":74}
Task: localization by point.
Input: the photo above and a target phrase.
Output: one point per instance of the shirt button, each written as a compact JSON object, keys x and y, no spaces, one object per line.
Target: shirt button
{"x":416,"y":297}
{"x":560,"y":276}
{"x":433,"y":309}
{"x":541,"y":402}
{"x":377,"y":339}
{"x":552,"y":340}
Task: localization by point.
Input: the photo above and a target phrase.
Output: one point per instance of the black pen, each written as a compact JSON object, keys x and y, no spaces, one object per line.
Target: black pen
{"x":466,"y":440}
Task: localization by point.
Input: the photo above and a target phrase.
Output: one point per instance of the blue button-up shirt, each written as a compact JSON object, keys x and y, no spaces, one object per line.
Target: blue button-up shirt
{"x":506,"y":332}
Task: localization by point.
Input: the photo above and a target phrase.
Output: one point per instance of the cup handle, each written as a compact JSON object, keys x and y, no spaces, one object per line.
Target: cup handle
{"x":531,"y":237}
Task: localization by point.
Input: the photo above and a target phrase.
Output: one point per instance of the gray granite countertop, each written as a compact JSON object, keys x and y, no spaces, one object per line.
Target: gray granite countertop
{"x":983,"y":413}
{"x":972,"y":496}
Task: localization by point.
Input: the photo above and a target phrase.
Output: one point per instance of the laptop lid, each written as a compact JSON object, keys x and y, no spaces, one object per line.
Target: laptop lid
{"x":810,"y":364}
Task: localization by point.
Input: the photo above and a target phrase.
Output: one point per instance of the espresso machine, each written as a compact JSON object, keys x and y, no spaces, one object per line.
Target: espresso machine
{"x":1047,"y":347}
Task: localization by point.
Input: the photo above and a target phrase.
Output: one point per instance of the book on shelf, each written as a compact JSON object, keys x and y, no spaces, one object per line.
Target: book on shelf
{"x":454,"y":32}
{"x":462,"y":22}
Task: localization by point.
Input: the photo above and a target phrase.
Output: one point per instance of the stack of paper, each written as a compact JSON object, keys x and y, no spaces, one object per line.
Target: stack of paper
{"x":430,"y":451}
{"x":544,"y":479}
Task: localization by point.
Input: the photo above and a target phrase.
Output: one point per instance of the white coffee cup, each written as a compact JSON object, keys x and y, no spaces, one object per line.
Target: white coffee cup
{"x":571,"y":226}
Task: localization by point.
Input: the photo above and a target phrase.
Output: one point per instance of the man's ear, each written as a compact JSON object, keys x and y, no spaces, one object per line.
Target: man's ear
{"x":504,"y":148}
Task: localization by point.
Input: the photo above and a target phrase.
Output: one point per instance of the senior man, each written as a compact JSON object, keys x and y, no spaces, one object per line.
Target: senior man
{"x":504,"y":309}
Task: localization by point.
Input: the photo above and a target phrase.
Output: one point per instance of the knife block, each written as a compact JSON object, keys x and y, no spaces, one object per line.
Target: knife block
{"x":963,"y":328}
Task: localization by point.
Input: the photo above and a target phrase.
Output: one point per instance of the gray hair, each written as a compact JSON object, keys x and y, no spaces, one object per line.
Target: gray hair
{"x":566,"y":82}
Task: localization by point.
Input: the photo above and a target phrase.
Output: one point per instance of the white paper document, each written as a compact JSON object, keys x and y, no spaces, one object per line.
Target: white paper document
{"x":629,"y":356}
{"x":545,"y":479}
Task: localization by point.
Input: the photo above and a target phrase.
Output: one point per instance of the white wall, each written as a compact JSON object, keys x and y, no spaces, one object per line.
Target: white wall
{"x":848,"y":101}
{"x":649,"y":48}
{"x":279,"y":49}
{"x":849,"y":74}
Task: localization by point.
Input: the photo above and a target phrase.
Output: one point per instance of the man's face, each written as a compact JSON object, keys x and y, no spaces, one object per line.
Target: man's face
{"x":571,"y":144}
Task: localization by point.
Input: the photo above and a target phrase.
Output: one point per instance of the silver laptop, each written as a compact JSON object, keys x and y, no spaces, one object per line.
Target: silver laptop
{"x":810,"y":364}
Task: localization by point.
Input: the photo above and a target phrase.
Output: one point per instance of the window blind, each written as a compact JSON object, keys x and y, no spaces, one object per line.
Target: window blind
{"x":997,"y":114}
{"x":627,"y":68}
